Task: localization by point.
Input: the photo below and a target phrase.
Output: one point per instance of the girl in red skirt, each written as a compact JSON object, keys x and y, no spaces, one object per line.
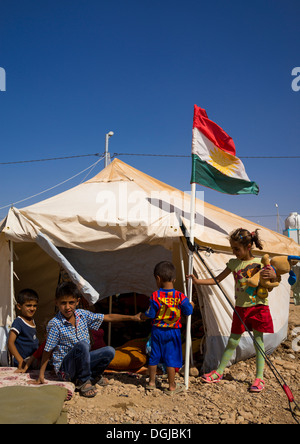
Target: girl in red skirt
{"x":254,"y":311}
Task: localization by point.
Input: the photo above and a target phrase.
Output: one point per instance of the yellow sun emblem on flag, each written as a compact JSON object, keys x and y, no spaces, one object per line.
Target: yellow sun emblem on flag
{"x":222,"y":161}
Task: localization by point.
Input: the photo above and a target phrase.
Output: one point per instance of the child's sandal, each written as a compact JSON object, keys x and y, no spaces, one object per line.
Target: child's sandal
{"x":87,"y":390}
{"x":257,"y":386}
{"x":208,"y":377}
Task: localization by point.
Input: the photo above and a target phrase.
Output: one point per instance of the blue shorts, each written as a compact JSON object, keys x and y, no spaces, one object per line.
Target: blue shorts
{"x":166,"y":347}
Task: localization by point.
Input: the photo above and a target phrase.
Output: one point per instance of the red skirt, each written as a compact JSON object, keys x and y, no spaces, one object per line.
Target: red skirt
{"x":255,"y":318}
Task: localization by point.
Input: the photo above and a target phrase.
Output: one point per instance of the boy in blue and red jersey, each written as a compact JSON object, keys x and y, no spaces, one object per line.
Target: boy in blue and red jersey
{"x":166,"y":307}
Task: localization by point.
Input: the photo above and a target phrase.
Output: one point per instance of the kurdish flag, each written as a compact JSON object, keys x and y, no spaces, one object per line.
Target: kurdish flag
{"x":214,"y":163}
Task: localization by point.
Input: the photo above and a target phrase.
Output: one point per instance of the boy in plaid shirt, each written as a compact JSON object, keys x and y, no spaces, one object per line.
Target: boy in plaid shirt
{"x":68,"y":342}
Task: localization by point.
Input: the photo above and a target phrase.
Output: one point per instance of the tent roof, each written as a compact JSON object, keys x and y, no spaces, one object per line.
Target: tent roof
{"x":122,"y":207}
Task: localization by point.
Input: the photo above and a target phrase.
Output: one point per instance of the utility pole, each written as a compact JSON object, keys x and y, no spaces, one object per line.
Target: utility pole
{"x":107,"y":155}
{"x":278,"y":228}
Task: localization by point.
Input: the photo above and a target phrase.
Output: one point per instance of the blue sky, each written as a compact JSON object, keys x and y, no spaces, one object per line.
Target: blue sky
{"x":76,"y":69}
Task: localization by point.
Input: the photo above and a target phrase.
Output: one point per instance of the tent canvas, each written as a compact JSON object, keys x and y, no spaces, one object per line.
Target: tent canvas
{"x":109,"y":232}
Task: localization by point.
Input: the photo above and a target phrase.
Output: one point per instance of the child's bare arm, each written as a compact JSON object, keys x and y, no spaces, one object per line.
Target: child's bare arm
{"x":211,"y":281}
{"x":13,"y":349}
{"x":144,"y":317}
{"x":26,"y":364}
{"x":119,"y":318}
{"x":45,"y":359}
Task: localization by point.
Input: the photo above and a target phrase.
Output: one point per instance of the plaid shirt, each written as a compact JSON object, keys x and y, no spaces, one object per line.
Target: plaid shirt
{"x":62,"y":335}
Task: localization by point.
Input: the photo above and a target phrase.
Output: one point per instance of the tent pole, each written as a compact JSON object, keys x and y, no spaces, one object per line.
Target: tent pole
{"x":109,"y":324}
{"x":190,"y":289}
{"x":182,"y":267}
{"x":184,"y":282}
{"x":12,"y":296}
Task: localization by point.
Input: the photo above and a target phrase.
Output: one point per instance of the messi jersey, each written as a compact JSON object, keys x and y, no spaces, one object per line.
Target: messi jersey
{"x":166,"y":307}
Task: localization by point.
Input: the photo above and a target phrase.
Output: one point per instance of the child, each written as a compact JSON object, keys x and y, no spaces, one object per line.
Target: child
{"x":254,"y":311}
{"x":166,"y":307}
{"x":22,"y":339}
{"x":69,"y":344}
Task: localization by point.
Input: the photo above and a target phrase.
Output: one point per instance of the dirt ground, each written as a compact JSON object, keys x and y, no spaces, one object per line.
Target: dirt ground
{"x":125,"y":401}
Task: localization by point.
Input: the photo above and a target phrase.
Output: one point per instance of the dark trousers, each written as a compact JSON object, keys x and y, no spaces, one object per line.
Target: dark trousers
{"x":83,"y":364}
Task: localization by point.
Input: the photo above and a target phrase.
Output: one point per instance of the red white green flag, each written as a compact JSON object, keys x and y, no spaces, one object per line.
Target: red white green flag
{"x":214,"y":163}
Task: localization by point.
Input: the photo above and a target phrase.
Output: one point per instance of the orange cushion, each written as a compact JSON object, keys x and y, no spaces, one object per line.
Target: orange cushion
{"x":130,"y":356}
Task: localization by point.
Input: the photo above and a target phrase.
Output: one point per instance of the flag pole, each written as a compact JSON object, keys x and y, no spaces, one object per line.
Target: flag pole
{"x":190,"y":289}
{"x":11,"y":262}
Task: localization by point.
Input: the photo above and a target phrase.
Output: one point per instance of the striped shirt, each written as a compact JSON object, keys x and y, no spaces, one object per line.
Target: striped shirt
{"x":166,"y":307}
{"x":62,"y":335}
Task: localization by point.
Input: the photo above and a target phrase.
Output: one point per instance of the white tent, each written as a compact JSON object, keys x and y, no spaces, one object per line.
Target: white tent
{"x":109,"y":232}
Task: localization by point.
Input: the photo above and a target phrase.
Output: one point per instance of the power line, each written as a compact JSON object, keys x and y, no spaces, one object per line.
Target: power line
{"x":91,"y":167}
{"x":133,"y":154}
{"x":150,"y":155}
{"x":269,"y":157}
{"x":51,"y":158}
{"x":266,"y":215}
{"x":179,"y":155}
{"x":184,"y":155}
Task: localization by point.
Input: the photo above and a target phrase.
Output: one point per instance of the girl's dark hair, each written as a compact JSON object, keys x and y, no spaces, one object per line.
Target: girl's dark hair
{"x":27,"y":295}
{"x":67,"y":289}
{"x":166,"y":271}
{"x":245,"y":238}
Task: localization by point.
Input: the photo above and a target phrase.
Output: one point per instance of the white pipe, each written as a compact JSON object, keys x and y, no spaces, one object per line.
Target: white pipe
{"x":182,"y":268}
{"x":109,"y":324}
{"x":12,"y":293}
{"x":184,"y":285}
{"x":190,"y":289}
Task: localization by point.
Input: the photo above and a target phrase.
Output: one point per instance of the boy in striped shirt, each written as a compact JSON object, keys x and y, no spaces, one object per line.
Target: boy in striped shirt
{"x":166,"y":307}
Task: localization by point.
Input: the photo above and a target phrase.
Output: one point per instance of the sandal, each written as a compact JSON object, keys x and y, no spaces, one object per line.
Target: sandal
{"x":87,"y":390}
{"x":179,"y":388}
{"x":150,"y":387}
{"x":208,"y":377}
{"x":257,"y":386}
{"x":100,"y":380}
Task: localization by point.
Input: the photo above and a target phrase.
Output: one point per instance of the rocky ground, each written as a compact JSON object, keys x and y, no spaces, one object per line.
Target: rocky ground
{"x":125,"y":401}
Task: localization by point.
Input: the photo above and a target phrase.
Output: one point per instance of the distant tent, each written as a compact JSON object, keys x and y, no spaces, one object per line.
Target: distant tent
{"x":109,"y":232}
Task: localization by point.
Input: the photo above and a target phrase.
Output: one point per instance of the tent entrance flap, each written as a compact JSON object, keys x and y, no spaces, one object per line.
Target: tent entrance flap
{"x":91,"y":294}
{"x":122,"y":271}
